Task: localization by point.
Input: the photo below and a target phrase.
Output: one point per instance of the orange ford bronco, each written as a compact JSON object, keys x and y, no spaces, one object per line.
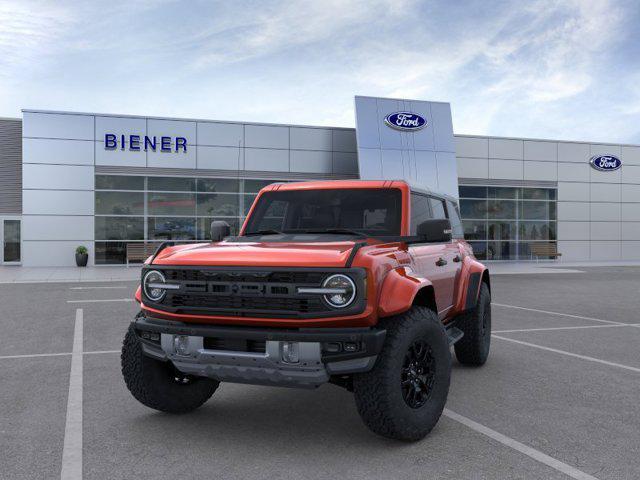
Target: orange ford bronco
{"x":363,"y":284}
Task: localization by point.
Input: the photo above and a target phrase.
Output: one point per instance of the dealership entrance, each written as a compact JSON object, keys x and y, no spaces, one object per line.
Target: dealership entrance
{"x":10,"y":232}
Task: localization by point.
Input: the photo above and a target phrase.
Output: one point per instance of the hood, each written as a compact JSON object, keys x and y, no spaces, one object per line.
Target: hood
{"x":258,"y":254}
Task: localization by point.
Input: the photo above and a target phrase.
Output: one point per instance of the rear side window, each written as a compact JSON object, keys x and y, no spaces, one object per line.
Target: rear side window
{"x":420,"y":211}
{"x":454,"y":217}
{"x":437,"y":208}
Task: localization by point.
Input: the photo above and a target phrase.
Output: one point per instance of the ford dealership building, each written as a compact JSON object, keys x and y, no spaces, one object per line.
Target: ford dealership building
{"x":111,"y":181}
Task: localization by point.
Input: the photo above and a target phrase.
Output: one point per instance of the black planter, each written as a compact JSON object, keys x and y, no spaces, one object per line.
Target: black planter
{"x":82,"y":259}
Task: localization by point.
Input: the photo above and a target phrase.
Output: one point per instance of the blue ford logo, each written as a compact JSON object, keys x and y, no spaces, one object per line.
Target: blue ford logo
{"x":605,"y":163}
{"x":405,"y":121}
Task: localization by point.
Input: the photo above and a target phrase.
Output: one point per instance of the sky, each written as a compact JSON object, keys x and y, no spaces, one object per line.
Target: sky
{"x":540,"y":69}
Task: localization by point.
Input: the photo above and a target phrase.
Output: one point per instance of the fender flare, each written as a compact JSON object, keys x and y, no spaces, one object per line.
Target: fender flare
{"x":473,"y":274}
{"x":399,"y":290}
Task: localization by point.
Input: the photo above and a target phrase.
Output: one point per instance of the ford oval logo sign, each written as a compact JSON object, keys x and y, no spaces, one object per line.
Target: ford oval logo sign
{"x":405,"y":121}
{"x":605,"y":163}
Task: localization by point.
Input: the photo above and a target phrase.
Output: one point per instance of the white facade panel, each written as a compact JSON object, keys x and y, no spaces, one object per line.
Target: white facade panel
{"x":574,"y":211}
{"x":573,"y":152}
{"x":219,"y":158}
{"x":52,"y":253}
{"x":574,"y":250}
{"x":605,"y":251}
{"x":472,"y":147}
{"x":605,"y":192}
{"x":370,"y":163}
{"x":630,"y":193}
{"x":311,"y":161}
{"x":266,"y":160}
{"x":447,"y":173}
{"x":605,"y":231}
{"x":597,"y":176}
{"x":120,"y":126}
{"x":574,"y":172}
{"x":367,"y":121}
{"x":68,"y":152}
{"x":220,"y":134}
{"x":543,"y":151}
{"x":57,"y":202}
{"x":119,"y":157}
{"x":173,"y":159}
{"x":573,"y":230}
{"x":602,"y":149}
{"x":631,"y":231}
{"x":630,"y":155}
{"x":172,"y":128}
{"x":605,"y":212}
{"x":56,"y":125}
{"x":630,"y":174}
{"x":311,"y":139}
{"x":392,"y":164}
{"x":442,"y":128}
{"x":630,"y":250}
{"x":425,"y":139}
{"x":344,"y":141}
{"x":630,"y":212}
{"x":473,"y":167}
{"x":57,"y":177}
{"x":506,"y":149}
{"x":506,"y":169}
{"x":546,"y":171}
{"x":57,"y":227}
{"x":573,"y":192}
{"x":345,"y":163}
{"x":426,"y":168}
{"x":263,"y":136}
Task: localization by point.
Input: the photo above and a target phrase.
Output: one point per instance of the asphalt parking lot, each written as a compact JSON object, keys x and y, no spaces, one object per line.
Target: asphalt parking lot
{"x":558,"y":398}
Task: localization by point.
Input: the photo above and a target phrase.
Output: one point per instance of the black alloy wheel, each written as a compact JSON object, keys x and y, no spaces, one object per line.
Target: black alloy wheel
{"x":418,"y":374}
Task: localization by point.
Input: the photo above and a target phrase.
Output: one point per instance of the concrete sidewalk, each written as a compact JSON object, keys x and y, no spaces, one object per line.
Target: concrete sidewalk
{"x":17,"y":274}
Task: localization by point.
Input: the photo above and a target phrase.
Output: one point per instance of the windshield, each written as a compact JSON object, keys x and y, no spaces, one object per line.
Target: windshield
{"x":368,"y":211}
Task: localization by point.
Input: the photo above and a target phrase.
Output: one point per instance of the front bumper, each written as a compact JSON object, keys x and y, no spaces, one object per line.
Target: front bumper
{"x":316,"y":364}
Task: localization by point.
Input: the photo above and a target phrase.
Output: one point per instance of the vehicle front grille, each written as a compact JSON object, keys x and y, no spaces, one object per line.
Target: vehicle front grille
{"x":240,"y":292}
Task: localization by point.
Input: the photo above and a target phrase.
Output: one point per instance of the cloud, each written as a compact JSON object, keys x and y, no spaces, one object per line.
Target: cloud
{"x":538,"y":68}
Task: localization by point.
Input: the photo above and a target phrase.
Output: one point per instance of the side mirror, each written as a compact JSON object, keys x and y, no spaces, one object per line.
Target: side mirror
{"x":435,"y":230}
{"x":219,"y":230}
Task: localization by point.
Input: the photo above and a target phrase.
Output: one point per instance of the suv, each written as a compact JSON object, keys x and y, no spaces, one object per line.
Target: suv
{"x":363,"y":284}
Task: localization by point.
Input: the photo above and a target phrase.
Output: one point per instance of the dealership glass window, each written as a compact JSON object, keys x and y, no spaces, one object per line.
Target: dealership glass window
{"x":171,"y":204}
{"x":152,"y":209}
{"x":501,"y":223}
{"x":119,"y":228}
{"x":119,"y":203}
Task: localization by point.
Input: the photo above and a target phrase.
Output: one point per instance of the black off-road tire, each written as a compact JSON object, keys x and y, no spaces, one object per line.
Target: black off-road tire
{"x":380,"y":393}
{"x":158,"y":384}
{"x":473,"y":348}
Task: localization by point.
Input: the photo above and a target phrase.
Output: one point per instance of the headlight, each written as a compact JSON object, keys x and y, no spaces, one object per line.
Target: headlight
{"x":343,"y":291}
{"x":154,"y":285}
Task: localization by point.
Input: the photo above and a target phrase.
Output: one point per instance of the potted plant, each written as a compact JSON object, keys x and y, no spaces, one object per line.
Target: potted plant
{"x":82,"y":256}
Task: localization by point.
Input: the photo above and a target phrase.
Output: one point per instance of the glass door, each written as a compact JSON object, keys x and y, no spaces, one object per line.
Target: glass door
{"x":10,"y":233}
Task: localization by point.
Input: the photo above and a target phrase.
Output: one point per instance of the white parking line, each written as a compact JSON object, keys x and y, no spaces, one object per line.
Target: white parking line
{"x":569,"y":354}
{"x":63,"y":354}
{"x":72,"y":450}
{"x":99,"y":287}
{"x":100,"y":301}
{"x":520,"y":447}
{"x":556,"y":313}
{"x":581,"y":327}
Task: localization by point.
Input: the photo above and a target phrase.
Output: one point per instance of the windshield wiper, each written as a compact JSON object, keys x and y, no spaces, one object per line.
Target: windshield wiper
{"x":262,"y":232}
{"x":338,"y":231}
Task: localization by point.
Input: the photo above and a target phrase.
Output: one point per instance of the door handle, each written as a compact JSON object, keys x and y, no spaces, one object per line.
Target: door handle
{"x":441,"y":262}
{"x":457,"y":258}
